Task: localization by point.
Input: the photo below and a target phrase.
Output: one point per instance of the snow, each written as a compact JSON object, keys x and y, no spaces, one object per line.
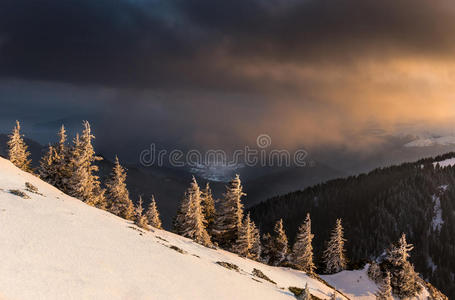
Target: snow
{"x":357,"y":285}
{"x":445,"y":163}
{"x":444,"y":187}
{"x":431,"y":264}
{"x":56,"y":247}
{"x":437,"y":221}
{"x":432,"y":141}
{"x":354,"y":284}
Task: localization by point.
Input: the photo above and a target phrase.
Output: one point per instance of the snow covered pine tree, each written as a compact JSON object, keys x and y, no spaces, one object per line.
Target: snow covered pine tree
{"x":139,"y":219}
{"x":190,"y":221}
{"x":229,"y":215}
{"x":84,"y":184}
{"x":208,"y":207}
{"x":248,"y":242}
{"x":54,"y":165}
{"x":62,"y":163}
{"x":334,"y":256}
{"x":119,"y":202}
{"x":267,"y":248}
{"x":153,"y":215}
{"x":374,"y":272}
{"x":257,"y":246}
{"x":17,"y":150}
{"x":302,"y":252}
{"x":244,"y":241}
{"x":385,"y":289}
{"x":48,"y":166}
{"x":404,"y":278}
{"x":280,"y":246}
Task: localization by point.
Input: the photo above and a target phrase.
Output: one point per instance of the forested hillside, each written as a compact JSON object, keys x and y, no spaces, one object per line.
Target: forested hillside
{"x":417,"y":199}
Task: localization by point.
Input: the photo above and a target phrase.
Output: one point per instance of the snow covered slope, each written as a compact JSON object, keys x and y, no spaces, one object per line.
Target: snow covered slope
{"x":357,"y":285}
{"x":450,"y":162}
{"x":53,"y":246}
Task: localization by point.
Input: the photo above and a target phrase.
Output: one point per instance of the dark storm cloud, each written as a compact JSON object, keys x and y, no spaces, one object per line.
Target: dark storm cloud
{"x":205,"y":73}
{"x":82,"y":41}
{"x":204,"y":43}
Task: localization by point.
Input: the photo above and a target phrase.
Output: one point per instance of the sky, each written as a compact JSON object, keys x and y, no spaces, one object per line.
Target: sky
{"x":216,"y":74}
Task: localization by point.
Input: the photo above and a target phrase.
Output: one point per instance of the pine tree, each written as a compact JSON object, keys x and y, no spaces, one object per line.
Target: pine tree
{"x":208,"y":205}
{"x":48,"y":166}
{"x":182,"y":219}
{"x":62,"y":163}
{"x":267,"y":248}
{"x":374,"y":272}
{"x":139,"y":219}
{"x":246,"y":239}
{"x":404,"y":278}
{"x":190,"y":221}
{"x":385,"y":289}
{"x":75,"y":161}
{"x":306,"y":293}
{"x":54,"y":165}
{"x":280,"y":248}
{"x":405,"y":281}
{"x":399,"y":254}
{"x":119,"y":202}
{"x":229,"y":215}
{"x":256,"y":251}
{"x":84,"y":184}
{"x":302,"y":252}
{"x":17,"y":150}
{"x":153,"y":215}
{"x":61,"y":148}
{"x":334,"y":256}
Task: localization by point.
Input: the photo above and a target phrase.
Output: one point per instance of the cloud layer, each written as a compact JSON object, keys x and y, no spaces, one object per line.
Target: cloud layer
{"x":314,"y":72}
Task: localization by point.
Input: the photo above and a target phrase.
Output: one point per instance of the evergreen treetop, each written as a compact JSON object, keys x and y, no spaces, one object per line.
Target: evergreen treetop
{"x":84,"y":184}
{"x":17,"y":149}
{"x":119,"y":202}
{"x":153,"y":215}
{"x":334,"y":255}
{"x":208,"y":205}
{"x":302,"y":251}
{"x":229,"y":214}
{"x":139,"y":219}
{"x":280,"y":247}
{"x":190,"y":221}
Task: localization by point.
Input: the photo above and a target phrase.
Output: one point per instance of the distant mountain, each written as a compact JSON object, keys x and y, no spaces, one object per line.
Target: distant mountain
{"x":432,"y":141}
{"x":415,"y":198}
{"x":391,"y":151}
